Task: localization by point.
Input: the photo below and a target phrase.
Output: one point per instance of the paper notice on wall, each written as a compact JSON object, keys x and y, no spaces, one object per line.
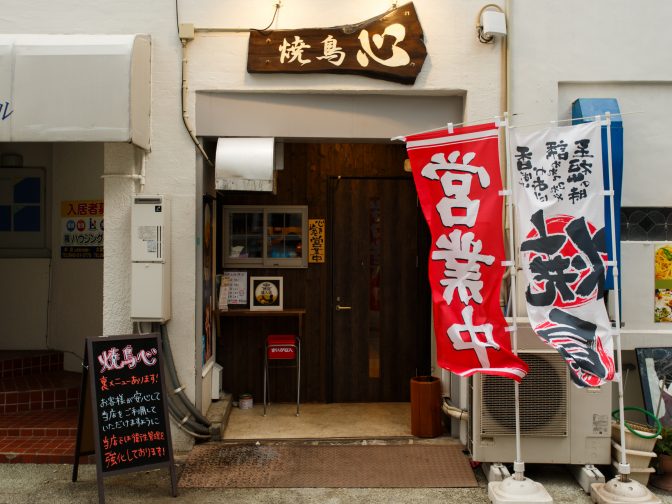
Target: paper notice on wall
{"x":82,"y":227}
{"x":224,"y":287}
{"x":237,"y":282}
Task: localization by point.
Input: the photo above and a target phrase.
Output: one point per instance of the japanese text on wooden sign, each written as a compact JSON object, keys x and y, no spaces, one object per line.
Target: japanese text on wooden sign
{"x":388,"y":47}
{"x":316,"y":228}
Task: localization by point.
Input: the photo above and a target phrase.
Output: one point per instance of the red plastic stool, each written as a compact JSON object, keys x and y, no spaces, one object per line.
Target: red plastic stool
{"x":282,"y":347}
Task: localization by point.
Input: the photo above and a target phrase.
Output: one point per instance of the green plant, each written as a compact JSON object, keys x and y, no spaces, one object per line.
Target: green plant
{"x":664,"y":445}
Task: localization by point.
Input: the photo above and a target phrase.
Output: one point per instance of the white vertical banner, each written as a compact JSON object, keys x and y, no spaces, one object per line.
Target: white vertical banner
{"x":559,"y":193}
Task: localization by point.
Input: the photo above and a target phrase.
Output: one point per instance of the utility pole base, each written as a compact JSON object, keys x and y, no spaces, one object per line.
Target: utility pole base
{"x":512,"y":491}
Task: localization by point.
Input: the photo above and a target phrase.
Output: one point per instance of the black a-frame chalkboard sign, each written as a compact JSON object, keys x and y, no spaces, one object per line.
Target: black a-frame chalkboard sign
{"x":122,"y":409}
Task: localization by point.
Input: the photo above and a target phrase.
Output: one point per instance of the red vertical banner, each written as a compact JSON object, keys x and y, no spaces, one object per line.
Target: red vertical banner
{"x":458,"y":180}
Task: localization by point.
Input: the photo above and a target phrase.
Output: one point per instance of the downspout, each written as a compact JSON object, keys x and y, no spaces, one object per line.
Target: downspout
{"x":459,"y":414}
{"x":504,"y":107}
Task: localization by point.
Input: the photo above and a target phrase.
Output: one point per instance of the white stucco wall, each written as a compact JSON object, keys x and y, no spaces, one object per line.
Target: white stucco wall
{"x":609,"y":49}
{"x":169,"y":167}
{"x":49,"y":302}
{"x":606,"y":48}
{"x":76,"y":305}
{"x":456,"y":64}
{"x":24,"y":295}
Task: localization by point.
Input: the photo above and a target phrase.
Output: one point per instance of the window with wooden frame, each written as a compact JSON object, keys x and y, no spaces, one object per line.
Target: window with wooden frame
{"x":265,"y":236}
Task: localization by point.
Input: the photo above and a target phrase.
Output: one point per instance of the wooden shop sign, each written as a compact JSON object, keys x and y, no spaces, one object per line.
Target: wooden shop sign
{"x":388,"y":47}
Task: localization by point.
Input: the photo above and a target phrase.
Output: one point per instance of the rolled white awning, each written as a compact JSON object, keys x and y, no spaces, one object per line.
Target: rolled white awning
{"x":245,"y":164}
{"x":65,"y":88}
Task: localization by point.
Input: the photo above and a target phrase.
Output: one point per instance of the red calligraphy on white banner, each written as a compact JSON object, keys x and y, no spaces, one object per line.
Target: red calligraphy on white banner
{"x":458,"y":180}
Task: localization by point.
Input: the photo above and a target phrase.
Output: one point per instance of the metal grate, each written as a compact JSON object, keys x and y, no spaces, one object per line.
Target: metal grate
{"x":219,"y":465}
{"x":543,"y":399}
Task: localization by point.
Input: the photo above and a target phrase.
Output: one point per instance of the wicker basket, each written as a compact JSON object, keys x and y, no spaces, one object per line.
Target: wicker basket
{"x":633,"y":442}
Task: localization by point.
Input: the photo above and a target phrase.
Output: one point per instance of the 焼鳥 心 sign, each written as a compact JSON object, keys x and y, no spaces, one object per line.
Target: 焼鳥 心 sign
{"x":388,"y":47}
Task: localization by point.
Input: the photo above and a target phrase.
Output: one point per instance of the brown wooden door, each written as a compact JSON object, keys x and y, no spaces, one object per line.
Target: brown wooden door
{"x":379,"y":337}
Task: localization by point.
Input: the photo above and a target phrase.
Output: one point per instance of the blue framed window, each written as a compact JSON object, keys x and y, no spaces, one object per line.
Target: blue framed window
{"x":22,"y":208}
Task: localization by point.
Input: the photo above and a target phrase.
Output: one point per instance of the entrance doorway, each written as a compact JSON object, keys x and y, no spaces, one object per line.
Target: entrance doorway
{"x":367,"y":353}
{"x":379,"y":294}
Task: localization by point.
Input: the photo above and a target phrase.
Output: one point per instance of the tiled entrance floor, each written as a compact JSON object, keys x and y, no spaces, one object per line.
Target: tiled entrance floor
{"x":316,"y":421}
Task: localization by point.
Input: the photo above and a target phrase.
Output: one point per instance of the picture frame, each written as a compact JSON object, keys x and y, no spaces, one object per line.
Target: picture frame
{"x":655,"y":372}
{"x":266,"y":293}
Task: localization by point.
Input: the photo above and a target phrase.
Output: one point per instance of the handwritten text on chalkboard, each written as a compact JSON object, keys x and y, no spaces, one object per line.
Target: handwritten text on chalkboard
{"x":111,"y":360}
{"x":129,"y":403}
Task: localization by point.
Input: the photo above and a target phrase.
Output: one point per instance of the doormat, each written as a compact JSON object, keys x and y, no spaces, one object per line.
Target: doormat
{"x":389,"y":466}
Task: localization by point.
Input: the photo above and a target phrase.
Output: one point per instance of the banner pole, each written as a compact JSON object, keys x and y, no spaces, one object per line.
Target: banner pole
{"x":623,"y":467}
{"x":518,"y":465}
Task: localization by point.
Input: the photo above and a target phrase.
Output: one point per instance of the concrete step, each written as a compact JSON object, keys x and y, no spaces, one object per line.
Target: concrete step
{"x":40,"y":437}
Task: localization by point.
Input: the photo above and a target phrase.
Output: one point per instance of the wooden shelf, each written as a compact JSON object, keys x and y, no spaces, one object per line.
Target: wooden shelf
{"x":293,"y":312}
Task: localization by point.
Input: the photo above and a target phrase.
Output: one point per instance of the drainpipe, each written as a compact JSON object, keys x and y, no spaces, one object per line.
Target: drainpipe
{"x":454,"y":411}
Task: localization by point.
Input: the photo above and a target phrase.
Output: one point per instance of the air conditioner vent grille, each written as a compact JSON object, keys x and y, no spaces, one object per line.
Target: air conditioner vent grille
{"x":543,"y":399}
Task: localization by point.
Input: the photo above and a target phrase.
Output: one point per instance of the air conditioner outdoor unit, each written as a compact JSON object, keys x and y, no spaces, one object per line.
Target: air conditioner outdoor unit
{"x":560,"y":423}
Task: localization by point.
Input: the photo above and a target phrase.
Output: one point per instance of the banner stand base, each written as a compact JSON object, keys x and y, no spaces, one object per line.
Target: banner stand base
{"x":512,"y":491}
{"x":616,"y":491}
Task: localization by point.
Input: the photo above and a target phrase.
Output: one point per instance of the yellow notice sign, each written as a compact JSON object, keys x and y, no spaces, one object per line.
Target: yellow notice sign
{"x":316,"y":229}
{"x":82,"y":225}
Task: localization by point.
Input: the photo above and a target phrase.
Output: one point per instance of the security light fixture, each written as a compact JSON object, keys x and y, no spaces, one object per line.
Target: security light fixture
{"x":491,"y":23}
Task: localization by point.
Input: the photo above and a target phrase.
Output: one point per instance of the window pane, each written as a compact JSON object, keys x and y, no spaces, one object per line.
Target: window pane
{"x":255,"y":222}
{"x":238,"y":223}
{"x":294,"y":221}
{"x":276,"y":246}
{"x":276,"y":221}
{"x":254,"y":246}
{"x":237,"y":246}
{"x":27,"y":218}
{"x":294,"y":246}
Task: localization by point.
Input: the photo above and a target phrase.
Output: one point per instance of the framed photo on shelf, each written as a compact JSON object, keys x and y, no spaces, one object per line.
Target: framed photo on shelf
{"x":266,"y":293}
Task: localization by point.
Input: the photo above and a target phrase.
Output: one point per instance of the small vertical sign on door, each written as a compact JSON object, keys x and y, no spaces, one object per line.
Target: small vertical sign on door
{"x":316,"y":229}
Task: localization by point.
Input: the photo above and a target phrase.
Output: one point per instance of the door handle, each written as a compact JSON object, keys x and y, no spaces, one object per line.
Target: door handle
{"x":341,"y":308}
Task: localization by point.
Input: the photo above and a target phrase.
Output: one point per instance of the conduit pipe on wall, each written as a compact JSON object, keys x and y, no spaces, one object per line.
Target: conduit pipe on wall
{"x":185,"y":94}
{"x":454,"y":411}
{"x":175,"y":383}
{"x":185,"y":423}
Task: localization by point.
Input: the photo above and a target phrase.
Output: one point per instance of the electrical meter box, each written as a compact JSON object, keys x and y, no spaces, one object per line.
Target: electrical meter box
{"x":150,"y":256}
